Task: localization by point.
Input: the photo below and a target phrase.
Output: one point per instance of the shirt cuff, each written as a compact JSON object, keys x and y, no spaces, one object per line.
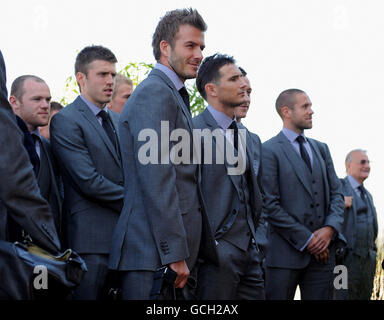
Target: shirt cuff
{"x":305,"y":245}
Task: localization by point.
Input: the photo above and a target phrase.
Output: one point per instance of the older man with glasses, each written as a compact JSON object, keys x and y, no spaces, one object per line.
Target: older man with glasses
{"x":360,"y":228}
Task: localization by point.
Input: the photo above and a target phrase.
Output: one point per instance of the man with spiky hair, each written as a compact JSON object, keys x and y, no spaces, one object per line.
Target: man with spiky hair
{"x":163,"y":222}
{"x":84,"y":140}
{"x":234,"y":208}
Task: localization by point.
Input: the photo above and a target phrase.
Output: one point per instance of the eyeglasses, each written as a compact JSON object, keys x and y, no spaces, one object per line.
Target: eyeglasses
{"x":363,"y":162}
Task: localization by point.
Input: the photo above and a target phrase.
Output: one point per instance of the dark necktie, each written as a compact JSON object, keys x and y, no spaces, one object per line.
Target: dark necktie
{"x":363,"y":194}
{"x":184,"y":94}
{"x":106,"y":123}
{"x":235,"y":129}
{"x":303,"y":152}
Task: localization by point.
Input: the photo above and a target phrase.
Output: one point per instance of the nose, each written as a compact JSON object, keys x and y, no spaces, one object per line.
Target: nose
{"x":243,"y":84}
{"x":46,"y":104}
{"x":110,"y":79}
{"x":198,"y":53}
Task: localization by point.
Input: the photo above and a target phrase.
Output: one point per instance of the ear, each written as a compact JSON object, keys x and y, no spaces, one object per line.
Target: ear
{"x":210,"y":90}
{"x":347,"y":167}
{"x":286,"y":112}
{"x":80,"y":78}
{"x":14,"y":104}
{"x":165,"y":49}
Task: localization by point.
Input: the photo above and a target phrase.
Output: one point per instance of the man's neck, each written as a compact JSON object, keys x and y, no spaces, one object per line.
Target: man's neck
{"x":228,"y":111}
{"x":293,"y":128}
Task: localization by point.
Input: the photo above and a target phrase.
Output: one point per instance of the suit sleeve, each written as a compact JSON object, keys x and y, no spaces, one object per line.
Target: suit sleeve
{"x":285,"y":224}
{"x":70,"y":149}
{"x":19,"y":190}
{"x":18,"y":187}
{"x":157,"y":182}
{"x":335,"y":216}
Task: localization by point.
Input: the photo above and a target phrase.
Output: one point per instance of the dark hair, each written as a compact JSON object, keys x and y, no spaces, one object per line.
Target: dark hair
{"x":209,"y":71}
{"x":55,"y":106}
{"x":243,"y":71}
{"x":287,"y":98}
{"x":90,"y":54}
{"x":169,"y":26}
{"x":17,"y":88}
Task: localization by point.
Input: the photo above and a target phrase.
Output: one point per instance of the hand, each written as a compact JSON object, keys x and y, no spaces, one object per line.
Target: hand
{"x":182,"y":271}
{"x":323,"y":257}
{"x":347,"y":202}
{"x":320,"y":241}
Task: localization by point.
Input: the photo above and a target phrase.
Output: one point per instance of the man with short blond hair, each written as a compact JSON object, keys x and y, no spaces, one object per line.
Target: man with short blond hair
{"x":122,"y":90}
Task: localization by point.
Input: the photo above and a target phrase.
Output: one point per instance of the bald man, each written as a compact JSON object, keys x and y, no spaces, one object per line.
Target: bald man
{"x":303,"y":203}
{"x":360,"y":228}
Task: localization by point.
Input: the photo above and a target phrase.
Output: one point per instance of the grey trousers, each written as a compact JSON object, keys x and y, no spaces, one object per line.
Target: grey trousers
{"x":239,"y":276}
{"x":315,"y":281}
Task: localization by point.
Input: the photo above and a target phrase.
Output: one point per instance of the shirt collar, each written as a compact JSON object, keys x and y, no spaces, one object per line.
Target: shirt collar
{"x":172,"y":75}
{"x":292,"y":135}
{"x":36,"y":132}
{"x":353,"y":182}
{"x":94,"y":108}
{"x":222,"y":119}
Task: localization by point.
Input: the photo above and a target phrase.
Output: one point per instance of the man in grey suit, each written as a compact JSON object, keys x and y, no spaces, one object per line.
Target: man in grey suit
{"x":304,"y":205}
{"x":241,"y":112}
{"x":233,"y":201}
{"x":19,"y":191}
{"x":30,"y":100}
{"x":163,"y":222}
{"x":84,"y":140}
{"x":360,"y":228}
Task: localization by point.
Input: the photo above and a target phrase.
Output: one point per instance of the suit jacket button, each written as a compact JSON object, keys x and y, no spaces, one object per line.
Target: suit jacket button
{"x":317,"y":204}
{"x":312,"y":205}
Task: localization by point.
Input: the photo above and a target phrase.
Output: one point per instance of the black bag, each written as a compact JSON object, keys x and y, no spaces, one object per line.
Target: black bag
{"x":163,"y":287}
{"x":18,"y":264}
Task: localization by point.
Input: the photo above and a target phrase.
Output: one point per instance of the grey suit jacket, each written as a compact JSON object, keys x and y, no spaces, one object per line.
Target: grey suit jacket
{"x":19,"y":191}
{"x":92,"y":175}
{"x":159,"y":224}
{"x":350,"y":214}
{"x":219,"y":188}
{"x":289,"y":197}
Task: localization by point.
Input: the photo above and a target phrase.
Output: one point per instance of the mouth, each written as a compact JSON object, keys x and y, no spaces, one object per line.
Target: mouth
{"x":108,"y":92}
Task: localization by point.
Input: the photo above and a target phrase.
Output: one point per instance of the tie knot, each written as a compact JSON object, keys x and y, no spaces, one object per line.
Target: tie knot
{"x":361,"y":188}
{"x":35,"y":137}
{"x":300,"y":139}
{"x":103,"y":115}
{"x":233,"y":125}
{"x":183,"y":92}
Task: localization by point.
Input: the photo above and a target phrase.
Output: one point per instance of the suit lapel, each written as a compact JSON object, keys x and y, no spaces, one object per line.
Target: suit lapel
{"x":212,"y":125}
{"x":181,"y":103}
{"x":296,"y":162}
{"x":91,"y":118}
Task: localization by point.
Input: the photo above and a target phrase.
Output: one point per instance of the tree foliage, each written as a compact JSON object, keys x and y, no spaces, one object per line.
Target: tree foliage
{"x":137,"y":72}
